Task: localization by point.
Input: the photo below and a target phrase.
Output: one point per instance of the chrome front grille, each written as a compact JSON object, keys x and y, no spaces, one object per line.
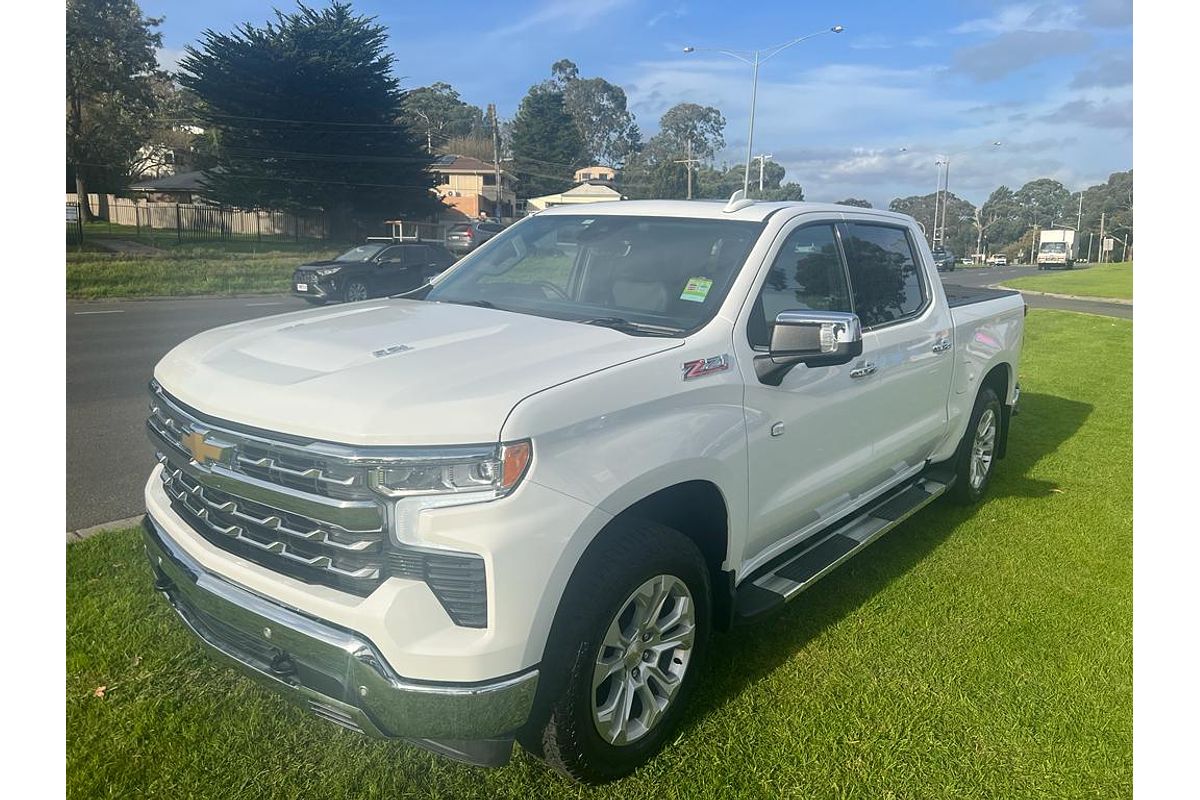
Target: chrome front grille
{"x":278,"y":504}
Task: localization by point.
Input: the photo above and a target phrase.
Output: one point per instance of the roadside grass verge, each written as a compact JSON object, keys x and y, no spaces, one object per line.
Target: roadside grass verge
{"x":196,"y":270}
{"x":1098,"y":280}
{"x":983,"y":652}
{"x":97,"y":232}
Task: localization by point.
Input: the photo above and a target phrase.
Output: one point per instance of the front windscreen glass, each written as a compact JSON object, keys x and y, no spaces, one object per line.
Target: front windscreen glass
{"x":1054,"y":247}
{"x":643,"y":275}
{"x":364,"y":252}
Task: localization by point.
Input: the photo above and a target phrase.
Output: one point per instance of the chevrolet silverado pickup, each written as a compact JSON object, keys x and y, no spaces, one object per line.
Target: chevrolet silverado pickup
{"x":511,"y":505}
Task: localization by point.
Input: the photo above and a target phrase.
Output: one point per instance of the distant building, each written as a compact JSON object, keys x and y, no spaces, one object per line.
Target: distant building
{"x":182,"y":187}
{"x":593,"y":191}
{"x":595,"y":174}
{"x":468,"y":186}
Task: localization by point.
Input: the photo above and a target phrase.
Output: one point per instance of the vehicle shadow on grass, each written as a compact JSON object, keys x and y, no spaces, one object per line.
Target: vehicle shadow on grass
{"x":741,"y":657}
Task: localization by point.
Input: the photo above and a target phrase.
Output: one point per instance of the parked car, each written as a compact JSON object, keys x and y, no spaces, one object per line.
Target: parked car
{"x":514,"y":504}
{"x":943,"y":260}
{"x":462,"y":239}
{"x":998,"y":260}
{"x":378,"y":268}
{"x":967,"y":261}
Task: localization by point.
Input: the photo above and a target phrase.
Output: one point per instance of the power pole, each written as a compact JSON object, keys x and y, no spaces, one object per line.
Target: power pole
{"x":1091,"y":236}
{"x":491,"y":110}
{"x":762,"y":161}
{"x":1079,"y":218}
{"x":1101,"y":259}
{"x":688,"y":162}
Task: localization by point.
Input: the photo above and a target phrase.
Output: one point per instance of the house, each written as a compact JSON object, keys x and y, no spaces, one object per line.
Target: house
{"x":593,"y":191}
{"x":468,"y":186}
{"x":595,"y":174}
{"x":182,"y":187}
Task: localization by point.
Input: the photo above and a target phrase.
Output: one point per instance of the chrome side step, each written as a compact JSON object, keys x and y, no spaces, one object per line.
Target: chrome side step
{"x":798,"y":569}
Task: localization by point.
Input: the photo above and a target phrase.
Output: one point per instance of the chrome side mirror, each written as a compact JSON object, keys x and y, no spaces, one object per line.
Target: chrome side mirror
{"x":814,"y":338}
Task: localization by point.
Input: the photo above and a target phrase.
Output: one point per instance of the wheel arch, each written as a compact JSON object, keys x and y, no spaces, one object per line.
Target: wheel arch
{"x":999,"y":379}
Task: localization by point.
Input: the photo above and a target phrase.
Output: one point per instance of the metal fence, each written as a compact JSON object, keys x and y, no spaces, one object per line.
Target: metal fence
{"x":74,"y":224}
{"x":197,"y":222}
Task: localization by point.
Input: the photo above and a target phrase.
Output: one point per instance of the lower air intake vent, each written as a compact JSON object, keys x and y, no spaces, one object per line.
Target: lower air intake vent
{"x":458,"y":581}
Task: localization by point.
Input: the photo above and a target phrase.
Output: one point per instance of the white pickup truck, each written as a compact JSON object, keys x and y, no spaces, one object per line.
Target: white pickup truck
{"x":512,"y":504}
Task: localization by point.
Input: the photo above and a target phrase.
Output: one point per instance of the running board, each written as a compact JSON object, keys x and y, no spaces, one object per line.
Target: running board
{"x":814,"y":558}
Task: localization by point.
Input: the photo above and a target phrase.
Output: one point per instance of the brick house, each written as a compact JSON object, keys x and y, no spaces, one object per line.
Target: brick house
{"x":468,"y":186}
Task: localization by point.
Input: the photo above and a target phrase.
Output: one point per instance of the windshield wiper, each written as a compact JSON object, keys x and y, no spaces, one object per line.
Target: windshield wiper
{"x":628,"y":326}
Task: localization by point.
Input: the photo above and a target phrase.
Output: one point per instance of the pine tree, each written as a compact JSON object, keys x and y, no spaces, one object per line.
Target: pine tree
{"x":546,"y":144}
{"x":308,"y":114}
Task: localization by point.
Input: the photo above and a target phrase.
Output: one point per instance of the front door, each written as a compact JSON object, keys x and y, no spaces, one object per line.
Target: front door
{"x":810,"y":449}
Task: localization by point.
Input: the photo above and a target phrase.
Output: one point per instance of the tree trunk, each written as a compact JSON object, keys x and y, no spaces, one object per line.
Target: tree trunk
{"x":85,"y":208}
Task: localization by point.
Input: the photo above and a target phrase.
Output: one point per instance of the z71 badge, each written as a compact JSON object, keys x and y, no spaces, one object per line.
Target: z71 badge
{"x":705,"y":366}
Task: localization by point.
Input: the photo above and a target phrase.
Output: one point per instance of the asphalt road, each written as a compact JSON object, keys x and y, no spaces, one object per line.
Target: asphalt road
{"x":112,"y":348}
{"x":987,"y":277}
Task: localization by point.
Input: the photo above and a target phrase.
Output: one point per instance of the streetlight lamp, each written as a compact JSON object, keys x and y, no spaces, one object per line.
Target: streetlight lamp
{"x":755,"y":58}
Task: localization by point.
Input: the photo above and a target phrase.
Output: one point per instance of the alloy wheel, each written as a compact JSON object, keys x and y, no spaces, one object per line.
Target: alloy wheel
{"x":983,"y":448}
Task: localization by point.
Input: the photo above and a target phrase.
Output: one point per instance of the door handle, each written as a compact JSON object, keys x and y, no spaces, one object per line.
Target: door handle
{"x":942,"y":345}
{"x":863,"y":371}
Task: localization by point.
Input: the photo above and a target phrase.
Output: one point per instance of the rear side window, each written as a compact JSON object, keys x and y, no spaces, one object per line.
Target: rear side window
{"x":806,"y":274}
{"x":884,"y":273}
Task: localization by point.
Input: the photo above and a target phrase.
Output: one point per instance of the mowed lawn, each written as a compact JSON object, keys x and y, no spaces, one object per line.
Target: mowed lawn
{"x":970,"y":653}
{"x":1098,"y":280}
{"x":187,"y":270}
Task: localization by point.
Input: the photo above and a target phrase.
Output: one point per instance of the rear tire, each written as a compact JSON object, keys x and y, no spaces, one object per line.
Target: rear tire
{"x":614,"y":670}
{"x":976,"y":457}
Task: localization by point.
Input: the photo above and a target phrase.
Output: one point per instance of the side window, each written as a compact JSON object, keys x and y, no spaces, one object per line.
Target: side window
{"x":392,"y":254}
{"x":806,"y":274}
{"x":884,"y":273}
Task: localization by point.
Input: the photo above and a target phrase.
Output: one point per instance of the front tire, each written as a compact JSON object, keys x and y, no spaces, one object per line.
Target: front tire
{"x":356,"y":290}
{"x":623,"y":654}
{"x":976,"y":457}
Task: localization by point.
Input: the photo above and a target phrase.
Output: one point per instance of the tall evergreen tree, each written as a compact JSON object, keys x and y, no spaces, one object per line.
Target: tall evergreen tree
{"x":546,"y":145}
{"x":309,"y":115}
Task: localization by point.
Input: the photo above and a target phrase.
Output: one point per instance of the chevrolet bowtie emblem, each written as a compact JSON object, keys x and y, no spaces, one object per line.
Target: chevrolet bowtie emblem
{"x":203,"y":450}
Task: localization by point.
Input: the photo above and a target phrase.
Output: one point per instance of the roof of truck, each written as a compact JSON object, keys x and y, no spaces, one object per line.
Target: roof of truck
{"x":712,"y":209}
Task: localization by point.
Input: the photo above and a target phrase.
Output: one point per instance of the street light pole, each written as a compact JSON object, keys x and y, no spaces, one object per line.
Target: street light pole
{"x":755,"y":58}
{"x":761,"y":158}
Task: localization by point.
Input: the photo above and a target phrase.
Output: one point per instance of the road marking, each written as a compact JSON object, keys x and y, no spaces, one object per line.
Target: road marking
{"x":82,"y":313}
{"x":255,"y":305}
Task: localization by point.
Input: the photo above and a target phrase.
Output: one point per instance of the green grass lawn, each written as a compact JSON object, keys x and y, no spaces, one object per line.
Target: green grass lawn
{"x":971,"y":653}
{"x":1099,"y":280}
{"x":193,"y":270}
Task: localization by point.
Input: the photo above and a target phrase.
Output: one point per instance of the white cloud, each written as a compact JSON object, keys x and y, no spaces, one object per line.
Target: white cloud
{"x":561,"y":16}
{"x":1024,"y":17}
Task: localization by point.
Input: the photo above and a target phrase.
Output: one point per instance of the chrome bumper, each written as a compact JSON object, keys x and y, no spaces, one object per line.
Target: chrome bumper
{"x":336,"y":673}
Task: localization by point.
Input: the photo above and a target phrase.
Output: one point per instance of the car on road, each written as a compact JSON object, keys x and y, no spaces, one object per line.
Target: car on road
{"x":998,"y":260}
{"x":465,"y":237}
{"x":513,"y":504}
{"x":943,"y":260}
{"x":378,"y":268}
{"x":967,"y":261}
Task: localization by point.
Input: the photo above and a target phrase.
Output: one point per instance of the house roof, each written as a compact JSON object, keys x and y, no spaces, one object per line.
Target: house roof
{"x":180,"y":182}
{"x":455,"y":163}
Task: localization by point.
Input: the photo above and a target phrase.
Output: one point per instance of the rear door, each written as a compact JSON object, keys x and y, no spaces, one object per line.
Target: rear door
{"x":909,"y":337}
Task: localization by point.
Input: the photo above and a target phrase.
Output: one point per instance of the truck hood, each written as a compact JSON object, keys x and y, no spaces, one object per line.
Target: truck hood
{"x":392,"y":372}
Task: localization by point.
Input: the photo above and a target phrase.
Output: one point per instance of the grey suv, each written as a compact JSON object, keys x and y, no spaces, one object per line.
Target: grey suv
{"x":464,"y":238}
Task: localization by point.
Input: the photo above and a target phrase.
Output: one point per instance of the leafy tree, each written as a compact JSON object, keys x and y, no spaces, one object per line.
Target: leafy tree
{"x":702,"y":126}
{"x":787,"y":191}
{"x":1114,"y":199}
{"x":110,"y":67}
{"x":1001,"y":219}
{"x":480,"y":147}
{"x":306,"y":107}
{"x":438,"y":114}
{"x":1043,"y":201}
{"x":960,"y":236}
{"x":599,"y":108}
{"x":546,"y":145}
{"x":854,"y":201}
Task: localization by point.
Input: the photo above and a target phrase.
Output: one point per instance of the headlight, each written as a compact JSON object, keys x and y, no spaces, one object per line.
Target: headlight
{"x":483,"y":473}
{"x":323,"y":271}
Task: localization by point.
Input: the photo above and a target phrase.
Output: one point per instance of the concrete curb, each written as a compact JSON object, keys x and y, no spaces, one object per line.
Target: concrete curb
{"x":115,"y":525}
{"x":1116,"y":301}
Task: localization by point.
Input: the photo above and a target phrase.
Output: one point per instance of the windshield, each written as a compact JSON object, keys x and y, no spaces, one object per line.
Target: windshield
{"x":1054,"y":247}
{"x":661,"y":274}
{"x":364,"y":252}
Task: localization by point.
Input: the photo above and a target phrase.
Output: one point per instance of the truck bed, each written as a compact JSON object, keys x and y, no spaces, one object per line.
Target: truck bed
{"x":957,"y":296}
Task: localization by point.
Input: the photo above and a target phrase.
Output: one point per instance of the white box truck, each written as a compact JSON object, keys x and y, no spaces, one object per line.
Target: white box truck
{"x":1056,"y":248}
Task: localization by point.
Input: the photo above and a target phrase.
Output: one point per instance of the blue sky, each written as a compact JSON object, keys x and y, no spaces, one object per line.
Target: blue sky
{"x":864,"y":113}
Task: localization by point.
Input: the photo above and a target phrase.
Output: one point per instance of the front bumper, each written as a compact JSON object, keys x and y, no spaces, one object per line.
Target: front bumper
{"x":336,"y":673}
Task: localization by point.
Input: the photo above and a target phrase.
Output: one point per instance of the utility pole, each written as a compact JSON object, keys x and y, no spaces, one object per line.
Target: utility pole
{"x":688,"y":162}
{"x":1101,"y":259}
{"x":762,"y":160}
{"x":1124,"y":246}
{"x":1079,"y":217}
{"x":491,"y":110}
{"x":1091,"y":236}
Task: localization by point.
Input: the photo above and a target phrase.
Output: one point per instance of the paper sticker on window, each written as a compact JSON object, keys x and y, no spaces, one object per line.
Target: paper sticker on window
{"x":696,"y":289}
